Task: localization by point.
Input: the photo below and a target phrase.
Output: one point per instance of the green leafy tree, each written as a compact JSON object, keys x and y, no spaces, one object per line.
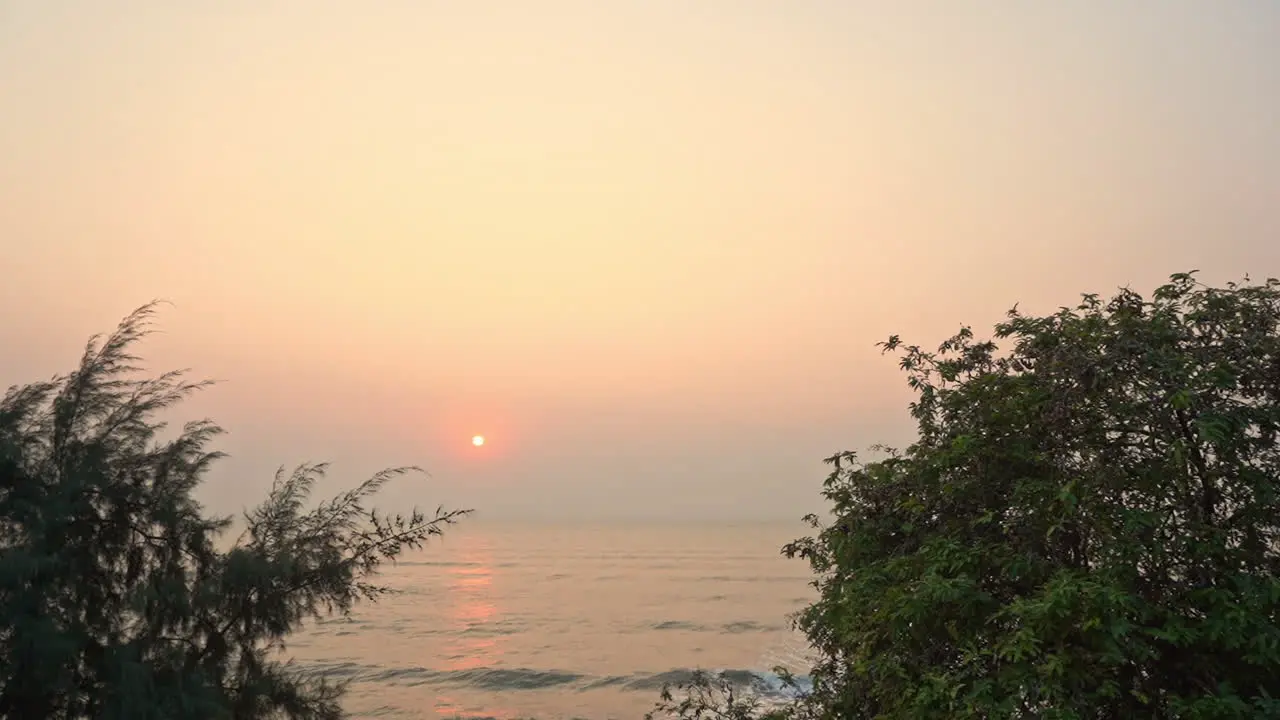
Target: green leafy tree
{"x":116,"y":602}
{"x":1086,"y":527}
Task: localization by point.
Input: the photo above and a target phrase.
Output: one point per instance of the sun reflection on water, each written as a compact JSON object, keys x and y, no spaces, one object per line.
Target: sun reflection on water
{"x":472,"y":614}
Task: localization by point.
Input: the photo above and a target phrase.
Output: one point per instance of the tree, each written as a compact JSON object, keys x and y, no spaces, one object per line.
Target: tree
{"x":1085,"y":528}
{"x":1087,"y":525}
{"x":116,"y":603}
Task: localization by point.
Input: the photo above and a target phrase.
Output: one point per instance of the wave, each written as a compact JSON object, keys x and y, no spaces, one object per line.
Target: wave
{"x":764,"y":683}
{"x":752,"y":578}
{"x":732,"y":628}
{"x":339,"y":627}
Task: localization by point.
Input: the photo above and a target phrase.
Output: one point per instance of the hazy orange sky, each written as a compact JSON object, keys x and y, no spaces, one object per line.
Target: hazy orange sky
{"x":646,"y":247}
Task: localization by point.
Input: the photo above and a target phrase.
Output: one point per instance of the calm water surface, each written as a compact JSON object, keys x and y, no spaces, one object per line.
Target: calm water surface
{"x":563,"y":621}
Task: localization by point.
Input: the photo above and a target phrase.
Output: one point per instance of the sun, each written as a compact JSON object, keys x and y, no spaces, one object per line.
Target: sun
{"x":478,"y":440}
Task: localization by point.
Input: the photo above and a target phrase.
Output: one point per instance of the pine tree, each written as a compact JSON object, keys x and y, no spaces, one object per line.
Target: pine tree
{"x":116,"y":602}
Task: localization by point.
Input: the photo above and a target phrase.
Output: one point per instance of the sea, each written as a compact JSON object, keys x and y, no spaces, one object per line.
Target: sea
{"x":566,"y":620}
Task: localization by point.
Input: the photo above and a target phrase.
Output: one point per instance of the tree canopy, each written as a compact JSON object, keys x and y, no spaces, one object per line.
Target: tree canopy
{"x":116,"y":602}
{"x":1085,"y":527}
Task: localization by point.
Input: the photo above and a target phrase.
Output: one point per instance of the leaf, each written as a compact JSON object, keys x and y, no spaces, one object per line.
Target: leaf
{"x":1181,"y":400}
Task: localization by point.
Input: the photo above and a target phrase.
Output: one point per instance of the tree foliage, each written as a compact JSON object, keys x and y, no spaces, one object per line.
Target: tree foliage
{"x":116,"y":602}
{"x":1086,"y":526}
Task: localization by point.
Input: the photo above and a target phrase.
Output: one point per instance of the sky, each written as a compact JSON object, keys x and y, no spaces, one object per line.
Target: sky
{"x":645,"y":247}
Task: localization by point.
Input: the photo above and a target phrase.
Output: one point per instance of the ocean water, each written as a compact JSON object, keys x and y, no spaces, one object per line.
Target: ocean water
{"x":564,"y":621}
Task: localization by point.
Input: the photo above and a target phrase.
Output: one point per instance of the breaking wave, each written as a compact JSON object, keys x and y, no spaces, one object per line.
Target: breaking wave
{"x":766,"y":685}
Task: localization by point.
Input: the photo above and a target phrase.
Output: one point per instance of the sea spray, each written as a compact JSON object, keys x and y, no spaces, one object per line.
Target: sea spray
{"x":795,"y":657}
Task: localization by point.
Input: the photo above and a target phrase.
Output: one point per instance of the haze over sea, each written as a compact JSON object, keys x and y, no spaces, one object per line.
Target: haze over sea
{"x":568,"y":620}
{"x":645,"y":247}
